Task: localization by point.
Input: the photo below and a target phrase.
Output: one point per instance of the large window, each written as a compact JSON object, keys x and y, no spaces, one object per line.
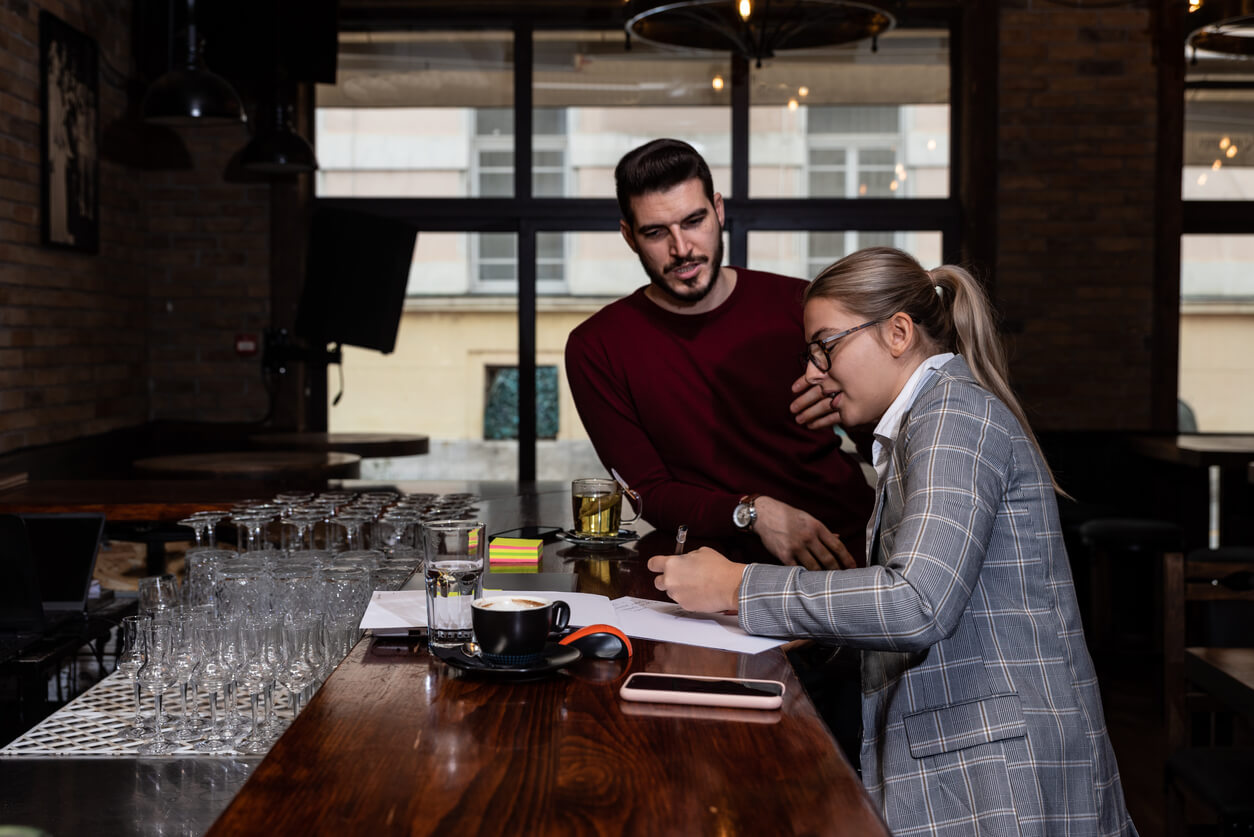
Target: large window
{"x":424,"y":125}
{"x":1217,"y":251}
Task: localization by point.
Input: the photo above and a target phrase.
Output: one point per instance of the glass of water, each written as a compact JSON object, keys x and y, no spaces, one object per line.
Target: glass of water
{"x":454,"y":552}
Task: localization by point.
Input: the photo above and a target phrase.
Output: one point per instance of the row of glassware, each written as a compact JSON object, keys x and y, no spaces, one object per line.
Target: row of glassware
{"x":274,"y":611}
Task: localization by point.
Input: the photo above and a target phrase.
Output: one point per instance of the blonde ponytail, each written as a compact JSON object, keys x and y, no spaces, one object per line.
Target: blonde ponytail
{"x":947,"y":305}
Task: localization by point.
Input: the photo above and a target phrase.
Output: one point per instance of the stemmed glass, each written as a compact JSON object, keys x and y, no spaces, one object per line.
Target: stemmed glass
{"x":203,"y":525}
{"x":133,"y":653}
{"x":184,"y":658}
{"x":158,"y":674}
{"x":254,"y":673}
{"x":298,"y":667}
{"x":213,"y":672}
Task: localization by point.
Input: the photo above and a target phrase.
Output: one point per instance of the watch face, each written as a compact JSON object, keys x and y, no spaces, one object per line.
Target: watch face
{"x":741,"y":516}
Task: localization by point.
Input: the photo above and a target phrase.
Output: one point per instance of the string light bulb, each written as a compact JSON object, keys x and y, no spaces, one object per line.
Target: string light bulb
{"x":745,"y":8}
{"x":792,"y":104}
{"x":1231,"y":152}
{"x":1194,"y":5}
{"x":1217,"y":165}
{"x":803,"y":91}
{"x":1201,"y":179}
{"x":717,"y":82}
{"x":1225,"y":142}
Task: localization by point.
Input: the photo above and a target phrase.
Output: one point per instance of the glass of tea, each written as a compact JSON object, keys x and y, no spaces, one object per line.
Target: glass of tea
{"x":597,"y":505}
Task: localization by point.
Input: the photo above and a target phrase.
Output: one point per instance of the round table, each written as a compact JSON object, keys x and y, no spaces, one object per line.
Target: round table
{"x":288,"y":466}
{"x":363,"y":444}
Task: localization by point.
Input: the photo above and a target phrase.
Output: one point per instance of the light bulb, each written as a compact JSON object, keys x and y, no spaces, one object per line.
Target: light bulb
{"x":1232,"y":151}
{"x":803,"y":91}
{"x":792,"y":104}
{"x":1215,"y":166}
{"x":745,"y":9}
{"x":1225,"y":142}
{"x":717,"y":83}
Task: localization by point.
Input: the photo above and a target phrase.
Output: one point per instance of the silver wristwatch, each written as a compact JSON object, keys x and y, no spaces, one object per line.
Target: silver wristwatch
{"x":746,"y":513}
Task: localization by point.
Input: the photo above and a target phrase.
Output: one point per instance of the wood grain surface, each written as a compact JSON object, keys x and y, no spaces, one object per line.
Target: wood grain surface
{"x":291,"y":465}
{"x":402,"y":744}
{"x":158,"y":501}
{"x":363,"y":444}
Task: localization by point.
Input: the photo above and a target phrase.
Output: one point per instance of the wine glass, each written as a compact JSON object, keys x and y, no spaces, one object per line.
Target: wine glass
{"x":158,"y":673}
{"x":132,"y":654}
{"x":299,"y":664}
{"x":254,"y":673}
{"x":213,"y":672}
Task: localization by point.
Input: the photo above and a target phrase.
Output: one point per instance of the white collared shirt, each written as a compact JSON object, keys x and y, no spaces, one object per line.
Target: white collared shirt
{"x":886,"y":431}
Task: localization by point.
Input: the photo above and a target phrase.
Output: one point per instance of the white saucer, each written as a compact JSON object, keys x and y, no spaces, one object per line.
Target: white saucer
{"x":589,"y":542}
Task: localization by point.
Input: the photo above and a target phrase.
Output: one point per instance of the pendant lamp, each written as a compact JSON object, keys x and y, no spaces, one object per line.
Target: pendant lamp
{"x":191,"y":94}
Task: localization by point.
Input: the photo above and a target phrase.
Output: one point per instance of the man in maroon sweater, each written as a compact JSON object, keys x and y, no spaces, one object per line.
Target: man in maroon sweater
{"x":684,"y":386}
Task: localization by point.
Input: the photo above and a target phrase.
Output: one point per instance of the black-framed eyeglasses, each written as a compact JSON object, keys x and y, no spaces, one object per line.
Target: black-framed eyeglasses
{"x":819,"y":352}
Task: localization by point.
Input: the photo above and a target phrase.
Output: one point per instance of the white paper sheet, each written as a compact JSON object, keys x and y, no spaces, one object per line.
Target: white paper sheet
{"x":397,"y":611}
{"x":668,"y":622}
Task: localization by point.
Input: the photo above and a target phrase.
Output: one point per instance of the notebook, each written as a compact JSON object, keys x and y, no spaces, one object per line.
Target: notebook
{"x":21,"y":605}
{"x":64,"y":548}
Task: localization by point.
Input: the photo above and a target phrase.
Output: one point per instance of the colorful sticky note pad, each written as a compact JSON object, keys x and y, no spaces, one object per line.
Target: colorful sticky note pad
{"x":510,"y":551}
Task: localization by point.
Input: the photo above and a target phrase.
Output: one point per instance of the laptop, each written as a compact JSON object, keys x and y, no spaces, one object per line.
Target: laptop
{"x":21,"y":604}
{"x":64,"y":548}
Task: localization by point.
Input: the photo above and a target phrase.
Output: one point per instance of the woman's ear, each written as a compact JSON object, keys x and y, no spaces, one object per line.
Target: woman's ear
{"x":900,"y":334}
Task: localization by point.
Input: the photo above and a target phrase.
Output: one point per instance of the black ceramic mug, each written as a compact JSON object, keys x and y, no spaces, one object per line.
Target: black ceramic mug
{"x":513,"y":630}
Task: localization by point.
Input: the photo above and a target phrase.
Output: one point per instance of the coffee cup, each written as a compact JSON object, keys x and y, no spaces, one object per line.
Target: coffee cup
{"x":597,"y":506}
{"x":513,"y":630}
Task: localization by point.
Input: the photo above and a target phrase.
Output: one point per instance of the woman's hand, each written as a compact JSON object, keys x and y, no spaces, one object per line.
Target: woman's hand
{"x":702,"y":581}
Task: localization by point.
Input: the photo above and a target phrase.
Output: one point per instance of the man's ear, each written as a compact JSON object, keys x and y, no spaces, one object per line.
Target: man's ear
{"x":718,"y":207}
{"x":900,"y":333}
{"x":625,"y":229}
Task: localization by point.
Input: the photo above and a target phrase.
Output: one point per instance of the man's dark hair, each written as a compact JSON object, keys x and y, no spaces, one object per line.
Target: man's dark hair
{"x":655,"y":167}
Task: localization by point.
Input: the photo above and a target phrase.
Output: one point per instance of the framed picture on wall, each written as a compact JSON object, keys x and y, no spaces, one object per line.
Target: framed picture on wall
{"x":70,"y":126}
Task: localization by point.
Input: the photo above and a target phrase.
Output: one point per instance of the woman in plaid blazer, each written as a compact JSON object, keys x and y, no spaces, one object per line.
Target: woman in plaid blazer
{"x":980,"y":711}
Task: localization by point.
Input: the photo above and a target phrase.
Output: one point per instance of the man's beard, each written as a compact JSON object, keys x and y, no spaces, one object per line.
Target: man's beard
{"x":683,"y":294}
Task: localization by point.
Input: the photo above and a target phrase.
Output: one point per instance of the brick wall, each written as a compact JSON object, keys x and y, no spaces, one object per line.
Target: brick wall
{"x":1076,"y":210}
{"x":143,"y":329}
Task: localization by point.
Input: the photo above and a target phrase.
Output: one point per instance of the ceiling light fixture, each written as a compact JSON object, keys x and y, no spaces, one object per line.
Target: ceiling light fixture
{"x":1225,"y":26}
{"x":192,"y":94}
{"x":756,"y":29}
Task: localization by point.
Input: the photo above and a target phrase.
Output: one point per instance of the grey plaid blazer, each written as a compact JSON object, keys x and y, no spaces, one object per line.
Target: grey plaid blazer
{"x":980,"y":707}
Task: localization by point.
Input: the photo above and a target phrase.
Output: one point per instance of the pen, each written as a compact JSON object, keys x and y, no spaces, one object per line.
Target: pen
{"x":681,"y":535}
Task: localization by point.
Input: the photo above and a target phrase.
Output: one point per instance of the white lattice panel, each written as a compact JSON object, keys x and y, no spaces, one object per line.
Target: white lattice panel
{"x":90,"y":724}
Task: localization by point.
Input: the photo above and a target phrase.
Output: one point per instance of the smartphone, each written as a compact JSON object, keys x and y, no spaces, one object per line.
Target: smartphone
{"x":547,"y":534}
{"x":703,"y":691}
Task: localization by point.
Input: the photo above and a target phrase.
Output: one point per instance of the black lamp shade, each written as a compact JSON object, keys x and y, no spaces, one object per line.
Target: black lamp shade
{"x":192,"y":96}
{"x":277,"y":149}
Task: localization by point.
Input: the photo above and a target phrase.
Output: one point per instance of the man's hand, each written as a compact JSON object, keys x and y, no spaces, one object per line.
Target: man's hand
{"x":810,"y":407}
{"x":796,"y":537}
{"x":702,"y":581}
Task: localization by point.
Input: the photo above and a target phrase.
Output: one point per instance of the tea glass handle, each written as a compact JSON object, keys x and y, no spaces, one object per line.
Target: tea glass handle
{"x":637,"y":504}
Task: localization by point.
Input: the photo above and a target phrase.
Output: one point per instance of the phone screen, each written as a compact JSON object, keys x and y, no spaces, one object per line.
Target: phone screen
{"x":670,"y":683}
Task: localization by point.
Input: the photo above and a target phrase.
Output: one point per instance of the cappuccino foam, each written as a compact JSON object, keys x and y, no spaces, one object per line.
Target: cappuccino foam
{"x":511,"y":603}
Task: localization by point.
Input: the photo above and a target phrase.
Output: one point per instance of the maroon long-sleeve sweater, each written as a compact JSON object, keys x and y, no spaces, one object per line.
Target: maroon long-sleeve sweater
{"x":692,"y":410}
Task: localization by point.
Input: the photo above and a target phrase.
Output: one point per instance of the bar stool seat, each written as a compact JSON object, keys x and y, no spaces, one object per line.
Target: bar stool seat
{"x":1133,"y":547}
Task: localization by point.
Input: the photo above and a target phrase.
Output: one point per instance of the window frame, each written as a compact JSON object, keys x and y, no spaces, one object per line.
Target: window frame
{"x":527,"y":215}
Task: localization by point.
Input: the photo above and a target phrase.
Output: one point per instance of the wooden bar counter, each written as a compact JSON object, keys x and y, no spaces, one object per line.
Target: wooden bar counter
{"x":402,"y":744}
{"x":397,"y":742}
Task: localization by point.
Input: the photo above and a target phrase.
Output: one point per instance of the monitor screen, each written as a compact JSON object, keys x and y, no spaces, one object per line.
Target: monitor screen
{"x":358,"y":269}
